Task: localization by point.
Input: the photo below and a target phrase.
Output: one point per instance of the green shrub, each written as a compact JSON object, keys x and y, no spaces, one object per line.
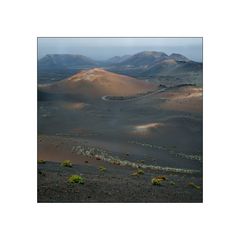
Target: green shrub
{"x":66,"y":163}
{"x":138,"y":172}
{"x":76,"y":179}
{"x":102,"y":169}
{"x":40,"y":161}
{"x":156,"y":181}
{"x":191,"y":184}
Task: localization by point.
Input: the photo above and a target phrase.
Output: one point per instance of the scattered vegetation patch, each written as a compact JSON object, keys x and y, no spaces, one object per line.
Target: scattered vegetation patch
{"x":138,"y":172}
{"x":66,"y":163}
{"x":103,"y":155}
{"x":102,"y":169}
{"x":193,"y":185}
{"x":76,"y":179}
{"x":41,"y":161}
{"x":156,"y":181}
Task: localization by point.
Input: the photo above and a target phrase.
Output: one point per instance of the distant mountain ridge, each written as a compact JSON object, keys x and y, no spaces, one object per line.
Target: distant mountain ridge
{"x":65,"y":60}
{"x":139,"y":59}
{"x":145,"y":58}
{"x":118,"y":59}
{"x":151,"y":65}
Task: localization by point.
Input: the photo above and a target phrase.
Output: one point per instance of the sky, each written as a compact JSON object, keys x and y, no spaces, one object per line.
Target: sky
{"x":105,"y":48}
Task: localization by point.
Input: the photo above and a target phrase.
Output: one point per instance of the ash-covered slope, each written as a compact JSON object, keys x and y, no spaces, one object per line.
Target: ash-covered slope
{"x":95,"y":83}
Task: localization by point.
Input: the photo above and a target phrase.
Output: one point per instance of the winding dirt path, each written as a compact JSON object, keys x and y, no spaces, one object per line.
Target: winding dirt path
{"x":129,"y":98}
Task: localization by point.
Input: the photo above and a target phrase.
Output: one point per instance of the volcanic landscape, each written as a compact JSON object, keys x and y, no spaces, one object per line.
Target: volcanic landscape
{"x":131,"y":127}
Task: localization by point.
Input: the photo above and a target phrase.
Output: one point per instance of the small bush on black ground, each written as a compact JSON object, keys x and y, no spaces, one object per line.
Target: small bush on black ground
{"x":138,"y":172}
{"x":76,"y":179}
{"x":102,"y":169}
{"x":156,"y":181}
{"x":193,"y":185}
{"x":41,"y":161}
{"x":66,"y":163}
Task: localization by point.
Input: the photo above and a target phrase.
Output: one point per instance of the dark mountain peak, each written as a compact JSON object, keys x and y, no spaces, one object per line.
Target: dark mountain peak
{"x":66,"y":56}
{"x":152,"y":53}
{"x":178,"y":57}
{"x":65,"y":60}
{"x":118,"y":59}
{"x":145,"y":58}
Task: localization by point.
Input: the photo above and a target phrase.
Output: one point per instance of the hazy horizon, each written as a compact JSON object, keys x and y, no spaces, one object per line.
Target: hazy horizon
{"x":105,"y":48}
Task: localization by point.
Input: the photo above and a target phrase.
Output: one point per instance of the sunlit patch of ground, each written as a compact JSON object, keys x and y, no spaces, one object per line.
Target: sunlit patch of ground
{"x":188,"y":104}
{"x":186,"y":99}
{"x":182,"y":93}
{"x":188,"y":95}
{"x":74,"y":106}
{"x":145,"y":129}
